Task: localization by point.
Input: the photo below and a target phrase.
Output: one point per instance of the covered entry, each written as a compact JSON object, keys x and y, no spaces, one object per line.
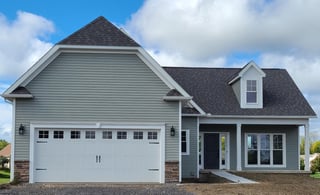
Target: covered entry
{"x":214,"y":152}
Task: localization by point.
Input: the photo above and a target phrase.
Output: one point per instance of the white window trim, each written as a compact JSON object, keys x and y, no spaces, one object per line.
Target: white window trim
{"x":187,"y":142}
{"x":284,"y":151}
{"x":256,"y":91}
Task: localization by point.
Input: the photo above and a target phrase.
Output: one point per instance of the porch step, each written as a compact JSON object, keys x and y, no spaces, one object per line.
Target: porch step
{"x":231,"y":177}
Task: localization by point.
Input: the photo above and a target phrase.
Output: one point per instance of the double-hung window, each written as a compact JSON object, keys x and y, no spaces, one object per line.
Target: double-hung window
{"x":265,"y":150}
{"x":251,"y":91}
{"x":185,"y":142}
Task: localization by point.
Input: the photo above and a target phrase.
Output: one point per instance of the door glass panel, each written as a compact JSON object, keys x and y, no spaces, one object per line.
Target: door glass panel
{"x":223,"y":149}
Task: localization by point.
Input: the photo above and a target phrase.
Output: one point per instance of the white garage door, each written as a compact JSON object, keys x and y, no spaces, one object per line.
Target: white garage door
{"x":89,"y":155}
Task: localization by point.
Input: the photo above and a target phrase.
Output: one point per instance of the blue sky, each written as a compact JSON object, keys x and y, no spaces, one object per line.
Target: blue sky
{"x":220,"y":33}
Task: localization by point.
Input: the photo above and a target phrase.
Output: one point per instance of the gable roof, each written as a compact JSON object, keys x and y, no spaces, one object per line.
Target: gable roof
{"x":6,"y":151}
{"x":99,"y":32}
{"x":98,"y":36}
{"x":211,"y":91}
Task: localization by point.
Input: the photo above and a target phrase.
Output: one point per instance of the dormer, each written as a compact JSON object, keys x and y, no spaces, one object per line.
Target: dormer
{"x":248,"y":86}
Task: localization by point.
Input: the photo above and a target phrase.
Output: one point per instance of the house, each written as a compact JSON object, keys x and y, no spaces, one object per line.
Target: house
{"x":6,"y":152}
{"x":98,"y":108}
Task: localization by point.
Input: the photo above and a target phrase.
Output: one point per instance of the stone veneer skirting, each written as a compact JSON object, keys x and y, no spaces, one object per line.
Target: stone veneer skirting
{"x":172,"y":171}
{"x":21,"y":170}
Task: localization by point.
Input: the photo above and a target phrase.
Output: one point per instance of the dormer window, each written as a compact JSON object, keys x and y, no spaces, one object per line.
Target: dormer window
{"x":251,"y":91}
{"x":248,"y":86}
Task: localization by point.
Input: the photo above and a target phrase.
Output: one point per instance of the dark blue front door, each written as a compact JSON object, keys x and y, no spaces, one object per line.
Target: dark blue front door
{"x":211,"y":151}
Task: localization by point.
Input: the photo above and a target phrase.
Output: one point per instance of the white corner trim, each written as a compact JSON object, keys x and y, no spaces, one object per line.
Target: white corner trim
{"x":197,"y":149}
{"x":179,"y":139}
{"x":12,"y":164}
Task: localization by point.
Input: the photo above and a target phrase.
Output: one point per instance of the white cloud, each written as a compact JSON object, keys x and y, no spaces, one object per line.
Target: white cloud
{"x":22,"y":43}
{"x":203,"y":28}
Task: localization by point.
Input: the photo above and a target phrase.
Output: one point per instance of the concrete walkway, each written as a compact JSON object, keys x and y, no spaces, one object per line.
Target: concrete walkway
{"x":231,"y":177}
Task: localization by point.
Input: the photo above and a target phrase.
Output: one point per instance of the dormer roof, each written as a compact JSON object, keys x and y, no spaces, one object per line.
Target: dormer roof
{"x":243,"y":70}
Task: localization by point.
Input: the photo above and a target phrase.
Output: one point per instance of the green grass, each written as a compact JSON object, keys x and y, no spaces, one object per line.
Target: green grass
{"x":4,"y":176}
{"x":316,"y":175}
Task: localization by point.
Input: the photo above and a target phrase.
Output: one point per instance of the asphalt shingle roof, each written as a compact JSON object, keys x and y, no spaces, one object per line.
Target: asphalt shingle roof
{"x":210,"y":90}
{"x":99,"y":32}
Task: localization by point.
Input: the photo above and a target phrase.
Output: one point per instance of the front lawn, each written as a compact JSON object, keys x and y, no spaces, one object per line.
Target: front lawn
{"x":4,"y":176}
{"x":316,"y":175}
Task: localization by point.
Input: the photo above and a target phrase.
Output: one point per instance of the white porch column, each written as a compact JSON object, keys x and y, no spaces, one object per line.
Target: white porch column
{"x":306,"y":147}
{"x":239,"y":147}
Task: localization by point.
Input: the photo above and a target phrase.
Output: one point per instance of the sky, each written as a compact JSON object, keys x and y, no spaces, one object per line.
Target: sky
{"x":201,"y":33}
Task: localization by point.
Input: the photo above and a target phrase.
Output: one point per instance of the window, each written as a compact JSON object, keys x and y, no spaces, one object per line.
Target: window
{"x":121,"y":135}
{"x":185,"y":142}
{"x":107,"y":135}
{"x":90,"y":134}
{"x":265,"y":149}
{"x":138,"y":135}
{"x":43,"y":134}
{"x":152,"y":135}
{"x":58,"y":134}
{"x":251,"y":91}
{"x":75,"y":135}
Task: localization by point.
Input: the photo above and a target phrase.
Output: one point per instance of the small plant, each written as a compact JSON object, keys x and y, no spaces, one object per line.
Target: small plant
{"x":315,"y":165}
{"x":302,"y":164}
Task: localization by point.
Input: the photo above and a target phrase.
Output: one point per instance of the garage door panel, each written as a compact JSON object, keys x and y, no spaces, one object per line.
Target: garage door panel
{"x":102,"y":159}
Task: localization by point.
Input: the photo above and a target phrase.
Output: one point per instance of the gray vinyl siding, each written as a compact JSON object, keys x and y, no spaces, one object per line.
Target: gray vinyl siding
{"x":231,"y":129}
{"x":92,"y":87}
{"x":189,"y":162}
{"x":236,"y":90}
{"x":292,"y":144}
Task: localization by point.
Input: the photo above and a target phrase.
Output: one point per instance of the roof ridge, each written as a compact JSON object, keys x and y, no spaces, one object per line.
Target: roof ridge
{"x":99,"y":32}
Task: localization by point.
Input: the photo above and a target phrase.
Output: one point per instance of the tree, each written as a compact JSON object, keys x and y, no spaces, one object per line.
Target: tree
{"x":3,"y":143}
{"x":302,"y":146}
{"x":315,"y":147}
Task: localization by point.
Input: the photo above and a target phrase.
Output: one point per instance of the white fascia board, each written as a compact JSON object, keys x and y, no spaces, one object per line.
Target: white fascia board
{"x":248,"y":66}
{"x":17,"y":96}
{"x":176,"y":98}
{"x":254,"y":121}
{"x":258,"y":117}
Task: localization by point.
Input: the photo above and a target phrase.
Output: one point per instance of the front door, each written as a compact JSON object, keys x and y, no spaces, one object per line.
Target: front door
{"x":211,"y":151}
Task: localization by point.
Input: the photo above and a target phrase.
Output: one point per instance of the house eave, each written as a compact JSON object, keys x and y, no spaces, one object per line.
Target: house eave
{"x":176,"y":98}
{"x":10,"y":96}
{"x":259,"y":116}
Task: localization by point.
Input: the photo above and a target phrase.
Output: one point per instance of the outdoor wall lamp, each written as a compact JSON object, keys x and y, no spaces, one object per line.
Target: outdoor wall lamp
{"x":172,"y":131}
{"x":21,"y":129}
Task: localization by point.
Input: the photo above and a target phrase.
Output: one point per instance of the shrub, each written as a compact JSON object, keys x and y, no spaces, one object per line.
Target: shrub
{"x":302,"y":164}
{"x":315,"y":165}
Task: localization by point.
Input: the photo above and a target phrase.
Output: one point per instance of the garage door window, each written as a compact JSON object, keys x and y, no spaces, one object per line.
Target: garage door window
{"x":58,"y":134}
{"x":75,"y":135}
{"x":43,"y":134}
{"x":121,"y":135}
{"x":90,"y":134}
{"x":107,"y":135}
{"x":138,"y":135}
{"x":152,"y":135}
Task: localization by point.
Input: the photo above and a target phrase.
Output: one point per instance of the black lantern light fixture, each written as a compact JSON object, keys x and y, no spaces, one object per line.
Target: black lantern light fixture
{"x":172,"y":131}
{"x":21,"y":129}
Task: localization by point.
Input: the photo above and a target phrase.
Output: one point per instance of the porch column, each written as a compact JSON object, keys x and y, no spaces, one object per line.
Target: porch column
{"x":238,"y":146}
{"x":306,"y":147}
